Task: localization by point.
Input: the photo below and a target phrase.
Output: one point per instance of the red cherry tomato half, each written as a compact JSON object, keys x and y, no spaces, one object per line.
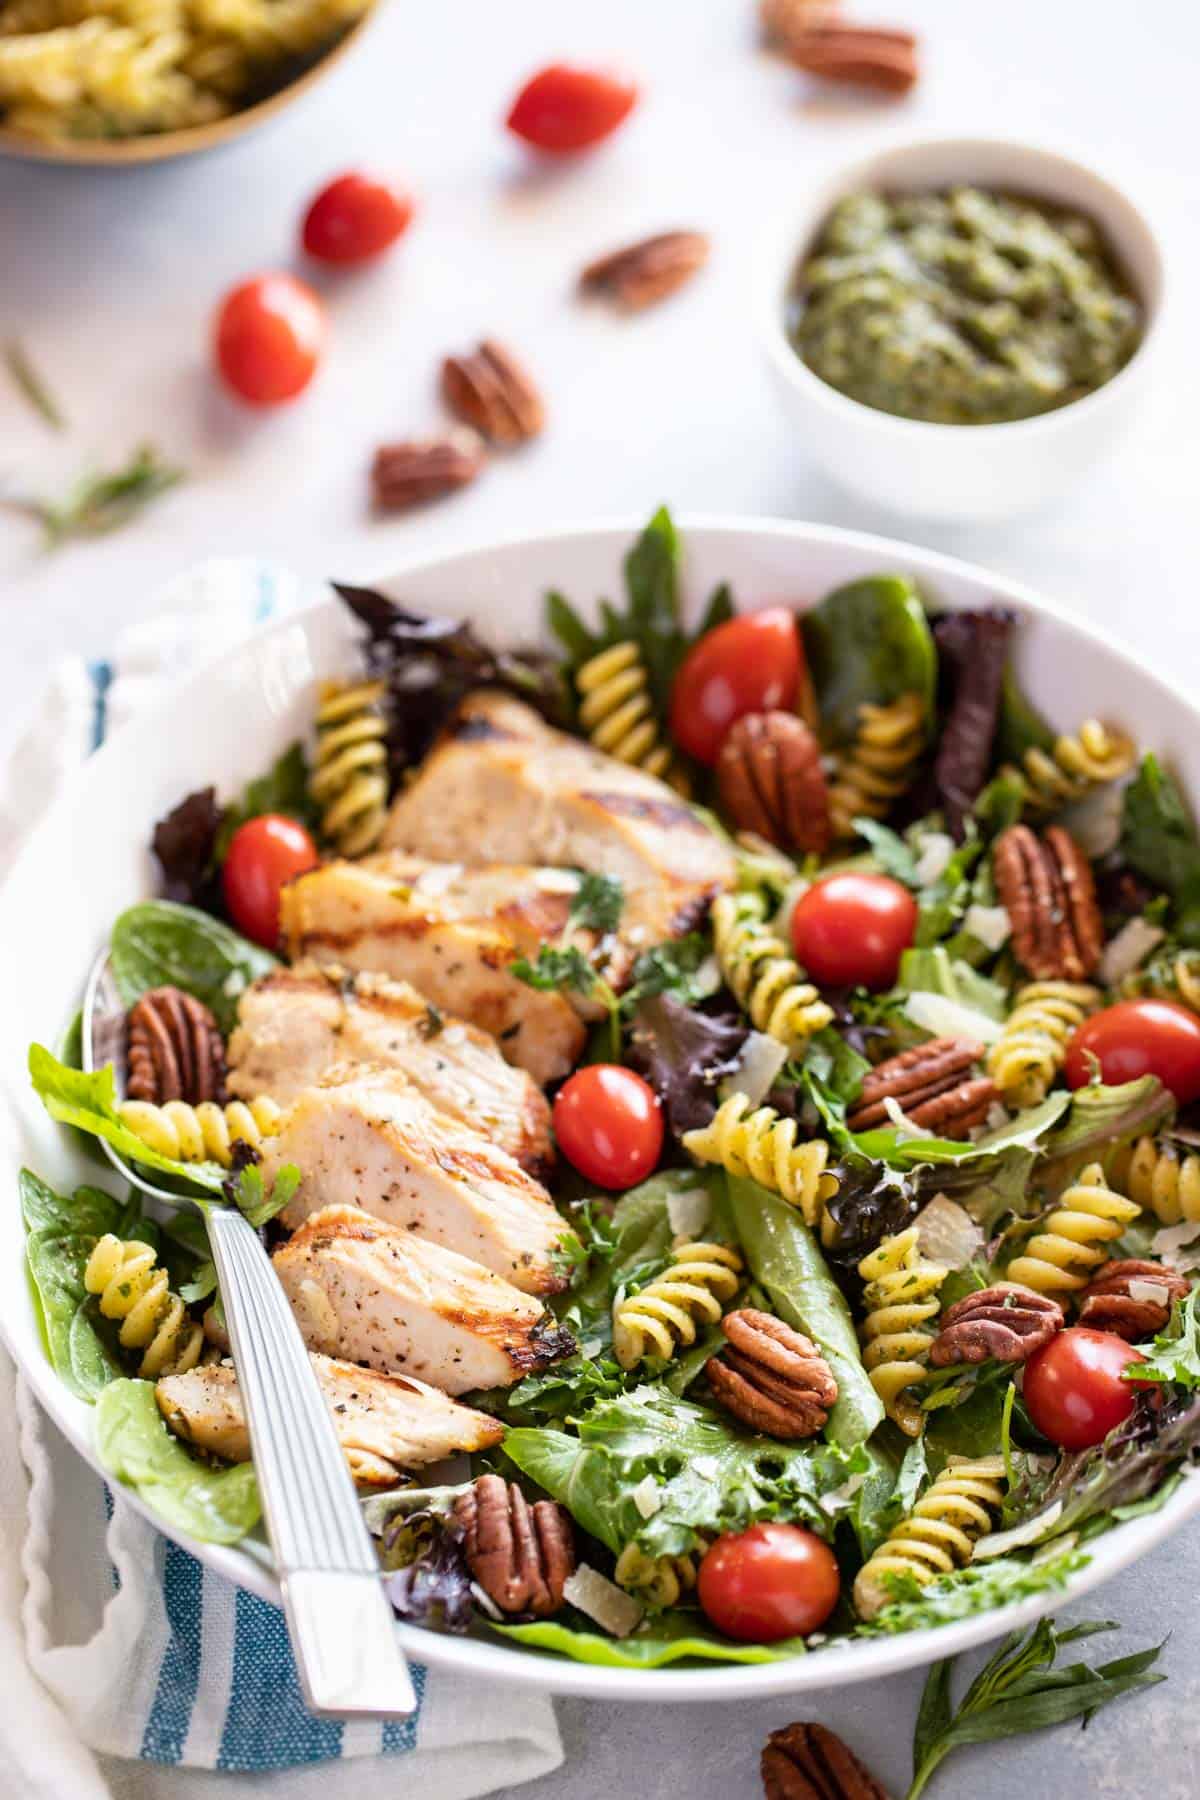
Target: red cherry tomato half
{"x":1139,"y":1037}
{"x":270,"y":333}
{"x":564,"y":107}
{"x":850,"y":930}
{"x":609,"y":1124}
{"x":749,"y":664}
{"x":264,"y":854}
{"x":355,"y":218}
{"x":1074,"y":1386}
{"x":767,"y":1583}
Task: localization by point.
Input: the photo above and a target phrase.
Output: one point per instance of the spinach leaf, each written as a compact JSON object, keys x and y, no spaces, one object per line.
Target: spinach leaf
{"x":1158,"y":839}
{"x":868,"y":643}
{"x":160,"y":944}
{"x":89,"y":1103}
{"x":669,"y":1638}
{"x":62,"y":1233}
{"x":216,"y":1505}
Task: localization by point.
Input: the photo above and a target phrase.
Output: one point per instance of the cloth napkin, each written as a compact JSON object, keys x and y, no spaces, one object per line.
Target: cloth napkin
{"x":114,"y":1643}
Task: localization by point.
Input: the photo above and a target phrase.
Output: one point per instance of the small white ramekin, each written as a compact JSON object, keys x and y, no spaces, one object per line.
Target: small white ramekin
{"x":963,"y":471}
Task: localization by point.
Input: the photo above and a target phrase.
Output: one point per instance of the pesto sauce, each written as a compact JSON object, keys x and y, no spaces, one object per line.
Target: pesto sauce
{"x":963,"y":307}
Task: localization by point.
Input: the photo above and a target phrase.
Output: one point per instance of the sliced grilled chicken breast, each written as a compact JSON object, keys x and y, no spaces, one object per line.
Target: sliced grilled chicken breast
{"x":454,"y":935}
{"x":373,"y":1294}
{"x":386,"y":1424}
{"x":295,"y":1024}
{"x":502,"y":786}
{"x":374,"y":1142}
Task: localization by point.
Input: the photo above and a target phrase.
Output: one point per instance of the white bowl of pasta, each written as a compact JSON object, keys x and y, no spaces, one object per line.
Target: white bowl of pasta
{"x":88,"y":862}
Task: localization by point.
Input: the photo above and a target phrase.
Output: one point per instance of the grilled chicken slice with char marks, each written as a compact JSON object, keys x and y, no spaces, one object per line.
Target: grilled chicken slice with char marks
{"x":453,"y":934}
{"x":369,"y":1139}
{"x":294,"y":1025}
{"x":386,"y":1424}
{"x":373,"y":1294}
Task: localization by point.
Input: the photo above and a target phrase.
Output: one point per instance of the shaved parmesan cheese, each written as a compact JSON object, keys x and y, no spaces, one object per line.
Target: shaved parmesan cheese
{"x":999,"y":1543}
{"x":1095,"y":821}
{"x":1151,"y":1293}
{"x":688,"y":1213}
{"x":838,"y":1498}
{"x":905,"y":1127}
{"x":943,"y":1017}
{"x":990,"y":924}
{"x":438,"y":877}
{"x":1128,"y":950}
{"x":761,"y":1060}
{"x":997,"y":1116}
{"x":556,"y":881}
{"x":591,"y":1347}
{"x":936,"y":851}
{"x":705,"y":1466}
{"x":602,"y":1600}
{"x":948,"y":1234}
{"x":1178,"y":1245}
{"x":646,"y":1497}
{"x":1058,"y":1546}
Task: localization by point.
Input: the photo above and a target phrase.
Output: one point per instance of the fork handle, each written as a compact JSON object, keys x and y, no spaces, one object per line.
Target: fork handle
{"x":341,"y":1626}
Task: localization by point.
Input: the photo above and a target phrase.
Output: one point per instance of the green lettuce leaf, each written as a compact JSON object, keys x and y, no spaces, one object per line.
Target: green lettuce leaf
{"x":160,"y":944}
{"x":669,"y":1638}
{"x":89,"y":1103}
{"x":61,"y":1234}
{"x":1175,"y":1355}
{"x":980,"y":1587}
{"x":216,"y":1505}
{"x":1102,"y":1118}
{"x":935,"y":971}
{"x":1158,"y":839}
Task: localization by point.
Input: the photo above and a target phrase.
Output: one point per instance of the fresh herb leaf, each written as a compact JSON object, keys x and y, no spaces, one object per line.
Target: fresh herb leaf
{"x":598,"y":902}
{"x":247,"y":1190}
{"x":434,"y":1022}
{"x":684,"y":1054}
{"x":33,"y":386}
{"x":90,"y":1103}
{"x":216,"y":1505}
{"x":102,"y":502}
{"x":1158,"y":839}
{"x":673,"y":967}
{"x":1175,"y":1356}
{"x":556,"y":967}
{"x":160,"y":944}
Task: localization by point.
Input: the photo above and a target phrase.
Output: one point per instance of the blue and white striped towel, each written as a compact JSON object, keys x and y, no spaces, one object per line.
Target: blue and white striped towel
{"x":112,"y":1640}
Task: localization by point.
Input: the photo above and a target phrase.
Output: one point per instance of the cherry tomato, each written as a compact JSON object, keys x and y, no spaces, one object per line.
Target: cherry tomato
{"x":355,"y":218}
{"x":608,"y":1122}
{"x":767,"y":1583}
{"x":850,"y":930}
{"x":1074,"y":1386}
{"x":1139,"y":1037}
{"x":270,"y":333}
{"x":749,"y":664}
{"x":564,"y":107}
{"x":264,"y":854}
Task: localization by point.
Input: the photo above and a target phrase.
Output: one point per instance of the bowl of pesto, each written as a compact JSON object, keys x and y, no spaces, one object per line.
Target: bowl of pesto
{"x":961,"y":327}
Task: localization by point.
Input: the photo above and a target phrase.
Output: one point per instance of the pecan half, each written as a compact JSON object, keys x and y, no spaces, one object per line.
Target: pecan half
{"x":865,"y":55}
{"x":174,"y":1049}
{"x":519,"y":1554}
{"x":1047,"y":887}
{"x":1006,"y":1322}
{"x":934,"y":1086}
{"x":492,"y":391}
{"x":422,"y":469}
{"x":1107,"y":1304}
{"x":809,"y":1762}
{"x":772,"y":781}
{"x":784,"y":22}
{"x":770,"y":1377}
{"x":644,"y":273}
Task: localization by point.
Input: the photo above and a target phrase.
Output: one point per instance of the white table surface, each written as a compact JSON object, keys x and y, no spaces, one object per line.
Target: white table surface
{"x":109,"y":279}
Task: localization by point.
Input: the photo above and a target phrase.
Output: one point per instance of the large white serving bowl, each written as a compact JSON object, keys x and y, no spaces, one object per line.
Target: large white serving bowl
{"x":88,"y":860}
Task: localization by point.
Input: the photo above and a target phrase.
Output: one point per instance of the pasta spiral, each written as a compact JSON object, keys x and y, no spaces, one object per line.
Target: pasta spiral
{"x":756,"y":1141}
{"x":349,"y":781}
{"x":1173,"y":977}
{"x":1032,"y":1047}
{"x":663,"y":1316}
{"x":1076,"y":1233}
{"x":768,"y":983}
{"x":901,"y":1297}
{"x":939,"y":1534}
{"x":1162,"y":1179}
{"x":616,"y":711}
{"x":135,"y":1290}
{"x":198,"y":1133}
{"x":662,"y":1579}
{"x":873,"y":771}
{"x":1054,"y":779}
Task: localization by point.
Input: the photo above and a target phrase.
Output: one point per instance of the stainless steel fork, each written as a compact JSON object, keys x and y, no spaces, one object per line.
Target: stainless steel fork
{"x":341,"y":1625}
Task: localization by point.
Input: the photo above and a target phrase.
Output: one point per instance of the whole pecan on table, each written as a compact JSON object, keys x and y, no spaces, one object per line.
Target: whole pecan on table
{"x":519,"y":1554}
{"x":491,"y":390}
{"x":770,"y":1377}
{"x":772,"y":781}
{"x":810,"y":1762}
{"x":173,"y":1049}
{"x":420,"y":469}
{"x":1131,"y":1297}
{"x":864,"y":55}
{"x":932,"y":1084}
{"x":1047,"y":888}
{"x":646,"y":272}
{"x":1005,"y":1322}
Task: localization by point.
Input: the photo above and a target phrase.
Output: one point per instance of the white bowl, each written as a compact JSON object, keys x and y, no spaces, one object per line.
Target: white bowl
{"x":88,"y":859}
{"x":963,"y":471}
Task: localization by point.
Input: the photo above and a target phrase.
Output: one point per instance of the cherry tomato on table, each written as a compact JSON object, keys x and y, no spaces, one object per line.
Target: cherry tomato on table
{"x":609,"y":1124}
{"x":354,"y":218}
{"x":850,"y":930}
{"x":264,"y":854}
{"x":767,"y":1583}
{"x":1074,"y":1386}
{"x":749,"y":664}
{"x":1139,"y":1037}
{"x":270,"y":333}
{"x":565,"y":107}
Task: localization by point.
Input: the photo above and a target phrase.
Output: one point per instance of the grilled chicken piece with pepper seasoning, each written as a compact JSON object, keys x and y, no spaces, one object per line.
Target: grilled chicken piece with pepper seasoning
{"x":386,"y":1424}
{"x":454,"y":934}
{"x":502,"y":786}
{"x":397,"y":1302}
{"x":294,"y":1025}
{"x":367,"y":1139}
